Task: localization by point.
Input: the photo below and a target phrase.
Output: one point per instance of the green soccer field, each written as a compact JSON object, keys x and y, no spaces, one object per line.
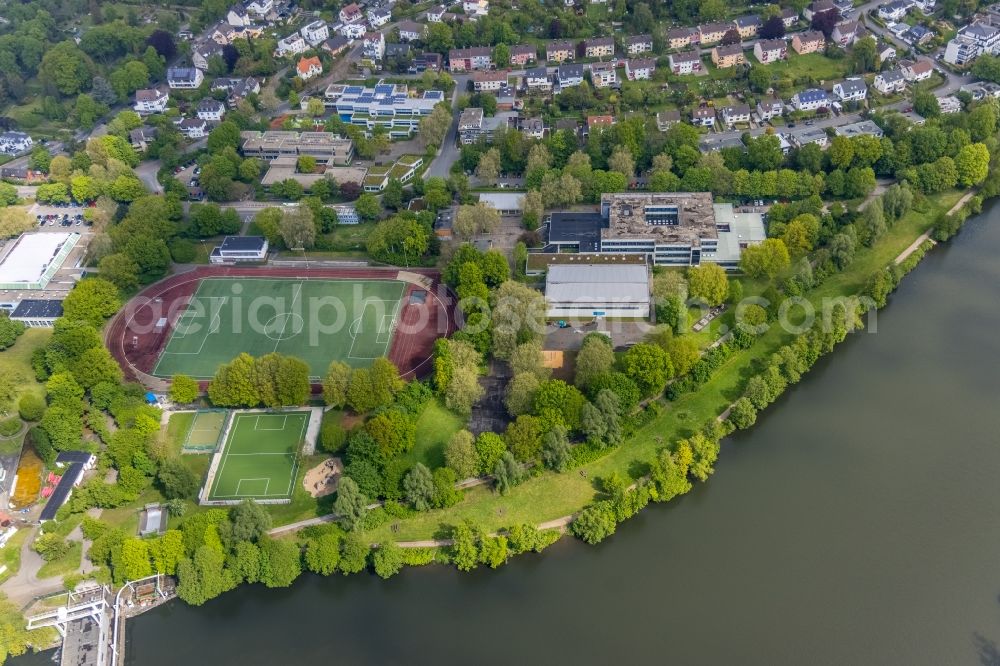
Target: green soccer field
{"x":317,"y":321}
{"x":258,"y":461}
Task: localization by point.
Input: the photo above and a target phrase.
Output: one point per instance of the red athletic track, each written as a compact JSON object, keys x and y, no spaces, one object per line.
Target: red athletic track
{"x":411,"y":350}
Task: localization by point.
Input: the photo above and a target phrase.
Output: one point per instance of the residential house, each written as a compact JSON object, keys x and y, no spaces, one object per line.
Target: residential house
{"x":351,"y":13}
{"x":861,"y":128}
{"x":736,"y":115}
{"x":467,"y":60}
{"x":260,"y":8}
{"x":818,"y":7}
{"x":636,"y":44}
{"x":141,"y":137}
{"x":770,"y":50}
{"x":203,"y":52}
{"x":569,"y":75}
{"x":971,"y":41}
{"x":307,"y":68}
{"x":603,"y":74}
{"x":980,"y":90}
{"x":770,"y":107}
{"x":918,"y":35}
{"x":476,"y":8}
{"x":851,"y":90}
{"x":428,"y":61}
{"x":789,"y":17}
{"x":559,"y":50}
{"x":810,"y":100}
{"x":378,"y":16}
{"x":894,"y":10}
{"x":533,"y":128}
{"x":397,"y":51}
{"x":193,"y":128}
{"x":949,"y":104}
{"x":184,"y":78}
{"x":150,"y":101}
{"x":809,"y":41}
{"x":522,"y":54}
{"x":537,"y":79}
{"x":920,"y":70}
{"x":667,"y":119}
{"x":809,"y":135}
{"x":597,"y":123}
{"x":292,"y":45}
{"x":703,"y":116}
{"x":373,"y":46}
{"x":679,"y":38}
{"x":211,"y":110}
{"x":599,"y":47}
{"x":315,"y":33}
{"x":336,"y":45}
{"x":236,"y":88}
{"x":890,"y":81}
{"x":728,"y":56}
{"x":238,"y":16}
{"x":686,"y":62}
{"x":353,"y":30}
{"x":638,"y":69}
{"x":411,"y":31}
{"x":470,"y":125}
{"x":886,"y":52}
{"x":489,"y":81}
{"x":712,"y":33}
{"x":845,"y":34}
{"x":12,"y":143}
{"x":748,"y":26}
{"x":926,"y":6}
{"x":436,"y":14}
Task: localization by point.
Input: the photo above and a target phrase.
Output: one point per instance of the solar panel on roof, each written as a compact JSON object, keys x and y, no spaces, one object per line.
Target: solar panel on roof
{"x":353,"y":90}
{"x":384,"y":89}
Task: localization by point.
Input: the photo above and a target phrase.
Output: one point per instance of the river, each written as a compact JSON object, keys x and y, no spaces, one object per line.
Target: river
{"x":856,"y":523}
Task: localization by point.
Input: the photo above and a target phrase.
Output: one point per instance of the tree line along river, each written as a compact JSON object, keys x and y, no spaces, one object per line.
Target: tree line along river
{"x":856,"y":523}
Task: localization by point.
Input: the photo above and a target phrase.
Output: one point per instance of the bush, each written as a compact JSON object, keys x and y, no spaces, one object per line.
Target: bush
{"x":331,"y":434}
{"x":10,"y":427}
{"x":183,"y":251}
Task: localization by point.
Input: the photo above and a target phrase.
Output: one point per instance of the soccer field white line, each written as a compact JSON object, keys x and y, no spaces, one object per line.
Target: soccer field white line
{"x":284,"y":422}
{"x":267,"y":486}
{"x":295,"y":297}
{"x":213,"y":327}
{"x":359,"y":320}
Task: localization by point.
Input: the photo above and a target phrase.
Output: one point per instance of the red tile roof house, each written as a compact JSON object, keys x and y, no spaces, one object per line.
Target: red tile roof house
{"x":307,"y":68}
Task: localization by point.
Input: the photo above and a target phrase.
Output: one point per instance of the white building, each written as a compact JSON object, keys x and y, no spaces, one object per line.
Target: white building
{"x":537,"y":79}
{"x":193,"y":128}
{"x":150,"y":101}
{"x":570,"y":75}
{"x":507,"y":203}
{"x":260,"y":8}
{"x":687,"y":62}
{"x":638,"y":69}
{"x":294,"y":44}
{"x":211,"y":110}
{"x":895,"y":10}
{"x":238,"y":249}
{"x":949,"y":104}
{"x":971,"y":41}
{"x":353,"y":30}
{"x":851,"y":90}
{"x":597,"y":290}
{"x":603,"y":74}
{"x":378,"y":16}
{"x":810,"y":100}
{"x":35,"y":313}
{"x":184,"y":78}
{"x":351,"y":13}
{"x":890,"y":81}
{"x":315,"y":33}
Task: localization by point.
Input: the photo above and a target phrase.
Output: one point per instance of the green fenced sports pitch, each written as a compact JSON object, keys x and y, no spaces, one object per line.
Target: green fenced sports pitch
{"x":259,"y":458}
{"x":318,"y":321}
{"x":205,"y":431}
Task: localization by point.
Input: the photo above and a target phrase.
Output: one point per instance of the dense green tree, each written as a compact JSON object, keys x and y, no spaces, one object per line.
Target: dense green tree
{"x":387,"y":559}
{"x":176,"y":479}
{"x":92,"y":300}
{"x":709,"y":283}
{"x":351,"y":506}
{"x":648,"y":366}
{"x":460,"y":454}
{"x":183,"y":389}
{"x":322,"y":554}
{"x":595,"y":523}
{"x":490,"y":448}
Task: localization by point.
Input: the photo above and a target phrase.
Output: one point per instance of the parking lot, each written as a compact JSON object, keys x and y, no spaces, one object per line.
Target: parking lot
{"x":58,"y":216}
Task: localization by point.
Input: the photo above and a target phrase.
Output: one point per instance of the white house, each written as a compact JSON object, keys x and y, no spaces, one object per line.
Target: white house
{"x":378,"y":16}
{"x":735,"y":115}
{"x":315,"y":33}
{"x":895,"y":10}
{"x":184,"y":77}
{"x":890,"y":81}
{"x":703,"y":116}
{"x":308,"y":68}
{"x":770,"y":50}
{"x":569,"y":75}
{"x":351,"y":13}
{"x":150,"y":101}
{"x":236,"y":249}
{"x":851,"y":90}
{"x":211,"y":109}
{"x":476,"y":8}
{"x":291,"y":45}
{"x":687,"y":62}
{"x":638,"y":69}
{"x":260,"y":8}
{"x":353,"y":30}
{"x":435,"y":14}
{"x":920,"y":70}
{"x":949,"y":104}
{"x":374,"y":45}
{"x":13,"y":143}
{"x":238,"y":16}
{"x":810,"y":100}
{"x":537,"y":79}
{"x":770,"y":107}
{"x":845,"y":33}
{"x":411,"y":31}
{"x":603,"y":74}
{"x":193,"y":128}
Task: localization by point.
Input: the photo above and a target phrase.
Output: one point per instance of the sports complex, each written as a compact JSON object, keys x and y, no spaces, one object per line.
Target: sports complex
{"x":193,"y":322}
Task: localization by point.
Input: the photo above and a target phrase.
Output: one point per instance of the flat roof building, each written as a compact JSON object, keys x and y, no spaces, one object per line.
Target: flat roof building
{"x":508,"y":203}
{"x":671,"y":228}
{"x":327,"y":147}
{"x":236,"y":249}
{"x":37,"y":313}
{"x":34,"y":258}
{"x":597,"y":290}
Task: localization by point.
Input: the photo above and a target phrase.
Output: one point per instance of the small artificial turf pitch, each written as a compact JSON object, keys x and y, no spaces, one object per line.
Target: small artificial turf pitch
{"x":259,"y":458}
{"x":206,"y":428}
{"x":318,"y":321}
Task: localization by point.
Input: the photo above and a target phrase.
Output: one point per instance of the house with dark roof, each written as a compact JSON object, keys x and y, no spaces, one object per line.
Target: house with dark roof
{"x":411,"y":31}
{"x":523,"y":54}
{"x":211,"y":109}
{"x":569,"y":75}
{"x":239,"y":249}
{"x":851,"y":90}
{"x":37,"y":313}
{"x":69,"y":480}
{"x":636,"y":44}
{"x":890,"y":81}
{"x":810,"y":100}
{"x":748,"y":25}
{"x":184,"y":77}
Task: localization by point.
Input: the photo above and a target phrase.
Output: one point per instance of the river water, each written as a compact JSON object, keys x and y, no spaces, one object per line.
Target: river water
{"x":856,"y":523}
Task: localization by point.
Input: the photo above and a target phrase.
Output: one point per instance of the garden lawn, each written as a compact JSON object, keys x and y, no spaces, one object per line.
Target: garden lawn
{"x":10,"y":555}
{"x":550,"y":495}
{"x":66,"y":564}
{"x":16,"y":361}
{"x":435,"y":426}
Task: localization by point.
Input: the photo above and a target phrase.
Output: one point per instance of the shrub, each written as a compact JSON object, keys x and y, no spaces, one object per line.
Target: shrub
{"x":183,"y":251}
{"x":10,"y":427}
{"x":331,"y":434}
{"x":31,"y":407}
